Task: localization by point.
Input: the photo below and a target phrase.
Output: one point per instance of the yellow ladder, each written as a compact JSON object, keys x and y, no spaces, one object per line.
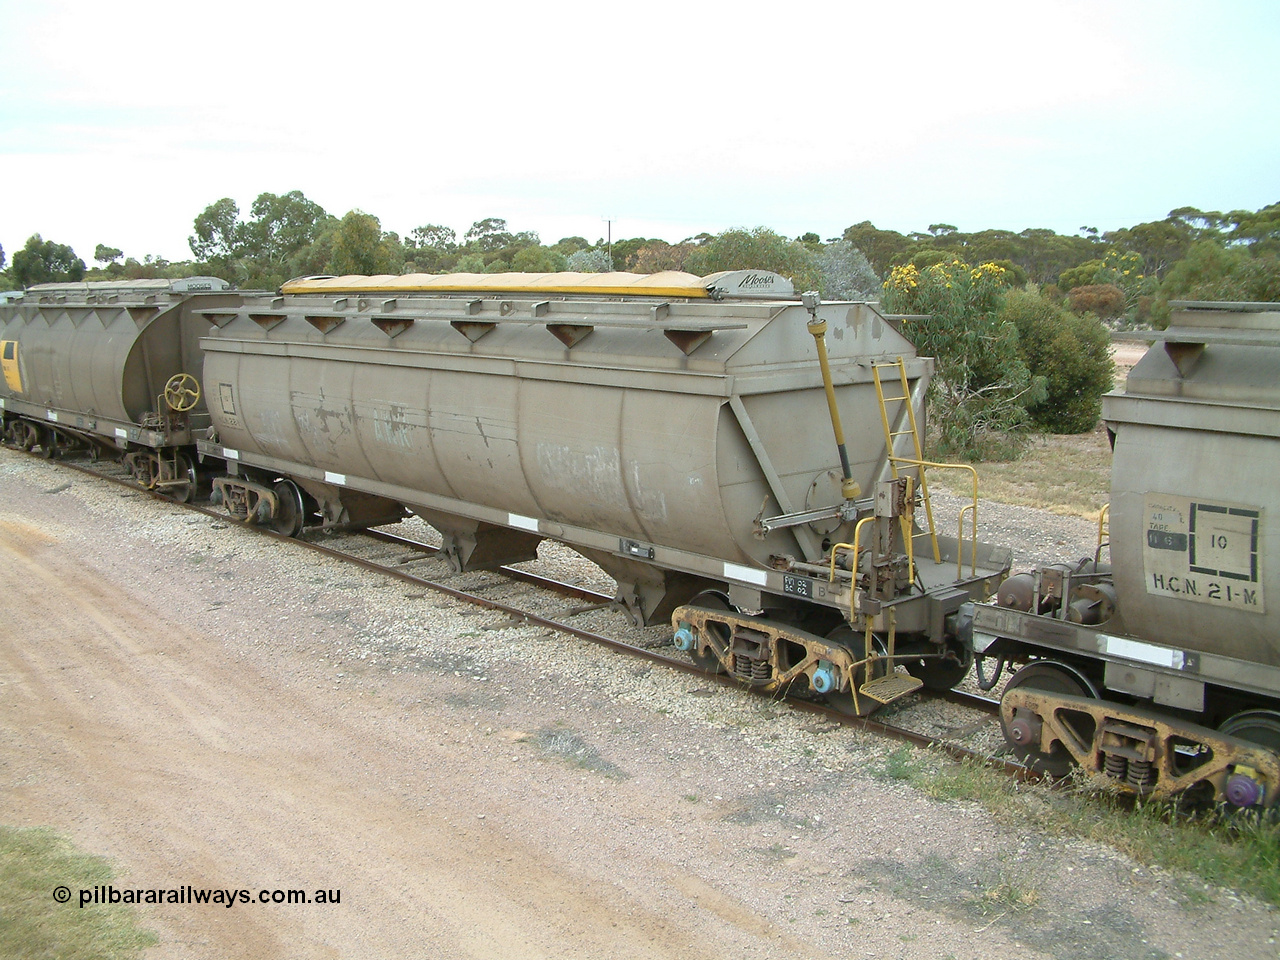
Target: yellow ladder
{"x":905,"y":466}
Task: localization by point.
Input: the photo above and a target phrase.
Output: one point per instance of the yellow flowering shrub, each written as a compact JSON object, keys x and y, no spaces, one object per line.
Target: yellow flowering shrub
{"x":981,"y":385}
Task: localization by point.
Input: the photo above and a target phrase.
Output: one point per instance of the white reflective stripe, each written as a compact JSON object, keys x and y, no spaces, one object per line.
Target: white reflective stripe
{"x":339,"y":478}
{"x":50,"y":415}
{"x":230,"y":454}
{"x":522,"y":523}
{"x":122,"y":433}
{"x":1144,"y":652}
{"x":1,"y":403}
{"x":743,"y":574}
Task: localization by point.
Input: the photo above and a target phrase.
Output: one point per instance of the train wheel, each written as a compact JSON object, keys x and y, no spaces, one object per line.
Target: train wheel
{"x":1051,"y":677}
{"x":48,"y":443}
{"x":144,"y":468}
{"x":1257,"y":726}
{"x":715,"y":600}
{"x":185,"y":471}
{"x":291,"y":514}
{"x":938,"y":673}
{"x":1261,"y":727}
{"x":843,"y":700}
{"x":28,"y":437}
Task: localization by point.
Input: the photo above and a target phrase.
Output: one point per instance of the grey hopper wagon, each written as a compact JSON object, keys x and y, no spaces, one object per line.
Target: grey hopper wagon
{"x":1162,"y":670}
{"x":674,"y":429}
{"x":111,"y":365}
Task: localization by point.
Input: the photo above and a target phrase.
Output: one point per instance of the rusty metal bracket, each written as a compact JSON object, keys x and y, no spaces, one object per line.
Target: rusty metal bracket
{"x":728,"y":635}
{"x":1180,"y":755}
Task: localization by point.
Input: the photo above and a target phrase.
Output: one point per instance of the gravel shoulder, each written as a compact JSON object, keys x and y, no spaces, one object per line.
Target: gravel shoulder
{"x":209,"y":707}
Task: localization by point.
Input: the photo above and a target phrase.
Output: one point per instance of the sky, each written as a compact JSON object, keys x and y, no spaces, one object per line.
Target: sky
{"x":120,"y":122}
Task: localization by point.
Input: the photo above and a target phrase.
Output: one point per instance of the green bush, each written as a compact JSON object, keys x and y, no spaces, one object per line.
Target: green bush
{"x":1211,"y":271}
{"x":1072,"y":354}
{"x":1053,"y":293}
{"x":43,"y":261}
{"x":758,"y":249}
{"x":1081,"y":276}
{"x":1014,"y":274}
{"x":541,"y":259}
{"x":981,"y":386}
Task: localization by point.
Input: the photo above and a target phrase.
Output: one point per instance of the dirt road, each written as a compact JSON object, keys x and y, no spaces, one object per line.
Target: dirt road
{"x":179,"y":754}
{"x":209,"y":708}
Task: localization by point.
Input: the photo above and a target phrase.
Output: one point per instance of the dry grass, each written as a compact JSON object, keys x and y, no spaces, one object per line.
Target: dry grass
{"x":1065,"y":474}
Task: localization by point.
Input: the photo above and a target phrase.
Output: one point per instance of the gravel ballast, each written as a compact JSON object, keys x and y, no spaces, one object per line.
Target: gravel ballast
{"x":207,"y":706}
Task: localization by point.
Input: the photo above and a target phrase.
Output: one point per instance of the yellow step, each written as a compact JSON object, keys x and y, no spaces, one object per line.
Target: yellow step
{"x":890,"y":687}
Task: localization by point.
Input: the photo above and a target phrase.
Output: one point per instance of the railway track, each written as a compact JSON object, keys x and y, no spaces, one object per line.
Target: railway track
{"x":417,"y":550}
{"x":528,"y":597}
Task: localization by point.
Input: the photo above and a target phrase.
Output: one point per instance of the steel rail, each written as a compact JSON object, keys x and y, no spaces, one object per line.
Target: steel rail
{"x":535,"y":579}
{"x":952,"y":749}
{"x":864,"y":723}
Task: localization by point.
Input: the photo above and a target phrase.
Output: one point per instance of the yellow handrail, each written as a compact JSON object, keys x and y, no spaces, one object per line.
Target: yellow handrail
{"x":857,"y":536}
{"x":908,"y":540}
{"x":973,"y":551}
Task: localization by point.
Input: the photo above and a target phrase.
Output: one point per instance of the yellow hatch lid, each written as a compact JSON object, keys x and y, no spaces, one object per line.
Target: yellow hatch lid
{"x":731,"y":284}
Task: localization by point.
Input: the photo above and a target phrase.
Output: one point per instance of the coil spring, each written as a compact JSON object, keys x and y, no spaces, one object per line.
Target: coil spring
{"x":1140,"y":774}
{"x":744,"y":668}
{"x":1115,"y":766}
